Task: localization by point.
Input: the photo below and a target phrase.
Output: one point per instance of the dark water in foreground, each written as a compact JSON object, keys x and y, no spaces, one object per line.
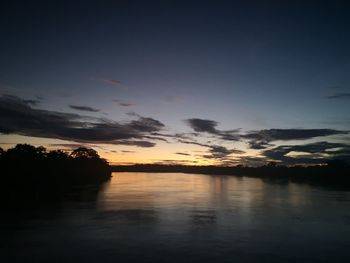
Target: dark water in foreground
{"x":140,"y":217}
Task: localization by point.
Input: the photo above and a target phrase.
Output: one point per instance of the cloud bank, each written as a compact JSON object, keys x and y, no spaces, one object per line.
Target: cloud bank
{"x":313,"y":153}
{"x":261,"y":139}
{"x":18,"y":117}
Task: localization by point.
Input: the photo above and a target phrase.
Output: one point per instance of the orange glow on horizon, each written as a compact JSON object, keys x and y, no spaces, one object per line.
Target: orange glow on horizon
{"x":162,"y":153}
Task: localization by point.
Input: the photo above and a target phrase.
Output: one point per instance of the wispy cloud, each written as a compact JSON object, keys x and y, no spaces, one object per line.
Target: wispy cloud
{"x":83,"y":108}
{"x":185,"y":154}
{"x":123,"y":103}
{"x":261,"y":139}
{"x":269,"y":135}
{"x":175,"y":162}
{"x":192,"y":142}
{"x":114,"y":82}
{"x":144,"y":144}
{"x":344,"y":95}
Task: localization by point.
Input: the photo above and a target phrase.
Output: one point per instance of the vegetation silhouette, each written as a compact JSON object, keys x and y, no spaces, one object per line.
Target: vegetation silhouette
{"x":335,"y":173}
{"x":36,"y":174}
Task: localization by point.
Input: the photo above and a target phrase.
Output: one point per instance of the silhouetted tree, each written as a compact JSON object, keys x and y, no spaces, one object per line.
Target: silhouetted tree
{"x":26,"y":151}
{"x":31,"y":169}
{"x":57,"y":155}
{"x":83,"y":152}
{"x":40,"y":151}
{"x":271,"y":164}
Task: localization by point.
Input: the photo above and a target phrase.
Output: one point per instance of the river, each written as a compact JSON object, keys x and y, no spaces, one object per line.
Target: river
{"x":175,"y":217}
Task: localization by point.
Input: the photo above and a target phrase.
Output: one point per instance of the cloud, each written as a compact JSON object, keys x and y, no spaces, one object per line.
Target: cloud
{"x":193,"y":142}
{"x":177,"y":136}
{"x":18,"y":117}
{"x":144,"y":144}
{"x":219,"y":152}
{"x":123,"y":103}
{"x":114,"y":82}
{"x":202,"y":125}
{"x":340,"y":96}
{"x":83,"y":108}
{"x":32,"y":102}
{"x":175,"y":162}
{"x":313,"y":153}
{"x":290,"y":134}
{"x":258,"y":145}
{"x":185,"y":154}
{"x":157,"y":138}
{"x":144,"y":124}
{"x":214,"y":151}
{"x":209,"y":126}
{"x":260,"y":139}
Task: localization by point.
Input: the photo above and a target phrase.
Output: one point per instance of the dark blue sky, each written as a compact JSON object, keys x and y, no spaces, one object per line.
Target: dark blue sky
{"x":253,"y":65}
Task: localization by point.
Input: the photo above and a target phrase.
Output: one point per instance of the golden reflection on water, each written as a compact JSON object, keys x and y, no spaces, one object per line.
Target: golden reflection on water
{"x":181,"y":203}
{"x":177,"y":190}
{"x":196,"y":199}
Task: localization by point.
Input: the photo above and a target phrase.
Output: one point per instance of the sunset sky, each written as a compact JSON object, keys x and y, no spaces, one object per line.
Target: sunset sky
{"x":187,"y":82}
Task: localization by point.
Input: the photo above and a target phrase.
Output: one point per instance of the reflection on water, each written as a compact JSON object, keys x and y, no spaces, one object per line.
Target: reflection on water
{"x":144,"y":217}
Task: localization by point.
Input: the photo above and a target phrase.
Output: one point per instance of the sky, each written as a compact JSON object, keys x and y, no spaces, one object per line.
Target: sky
{"x":178,"y":82}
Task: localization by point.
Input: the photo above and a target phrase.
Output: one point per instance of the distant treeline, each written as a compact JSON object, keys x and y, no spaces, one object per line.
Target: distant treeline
{"x":28,"y":169}
{"x":336,"y":172}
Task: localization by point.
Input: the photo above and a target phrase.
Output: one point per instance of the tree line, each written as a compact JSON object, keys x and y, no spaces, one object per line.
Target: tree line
{"x":26,"y":168}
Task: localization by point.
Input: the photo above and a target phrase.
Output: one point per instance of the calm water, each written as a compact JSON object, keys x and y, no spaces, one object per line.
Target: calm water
{"x":144,"y":217}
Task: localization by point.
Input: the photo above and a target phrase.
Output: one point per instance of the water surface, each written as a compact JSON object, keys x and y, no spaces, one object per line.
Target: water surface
{"x":174,"y":217}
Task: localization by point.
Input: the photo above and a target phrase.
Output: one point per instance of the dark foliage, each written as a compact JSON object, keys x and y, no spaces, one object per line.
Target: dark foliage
{"x":35,"y":173}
